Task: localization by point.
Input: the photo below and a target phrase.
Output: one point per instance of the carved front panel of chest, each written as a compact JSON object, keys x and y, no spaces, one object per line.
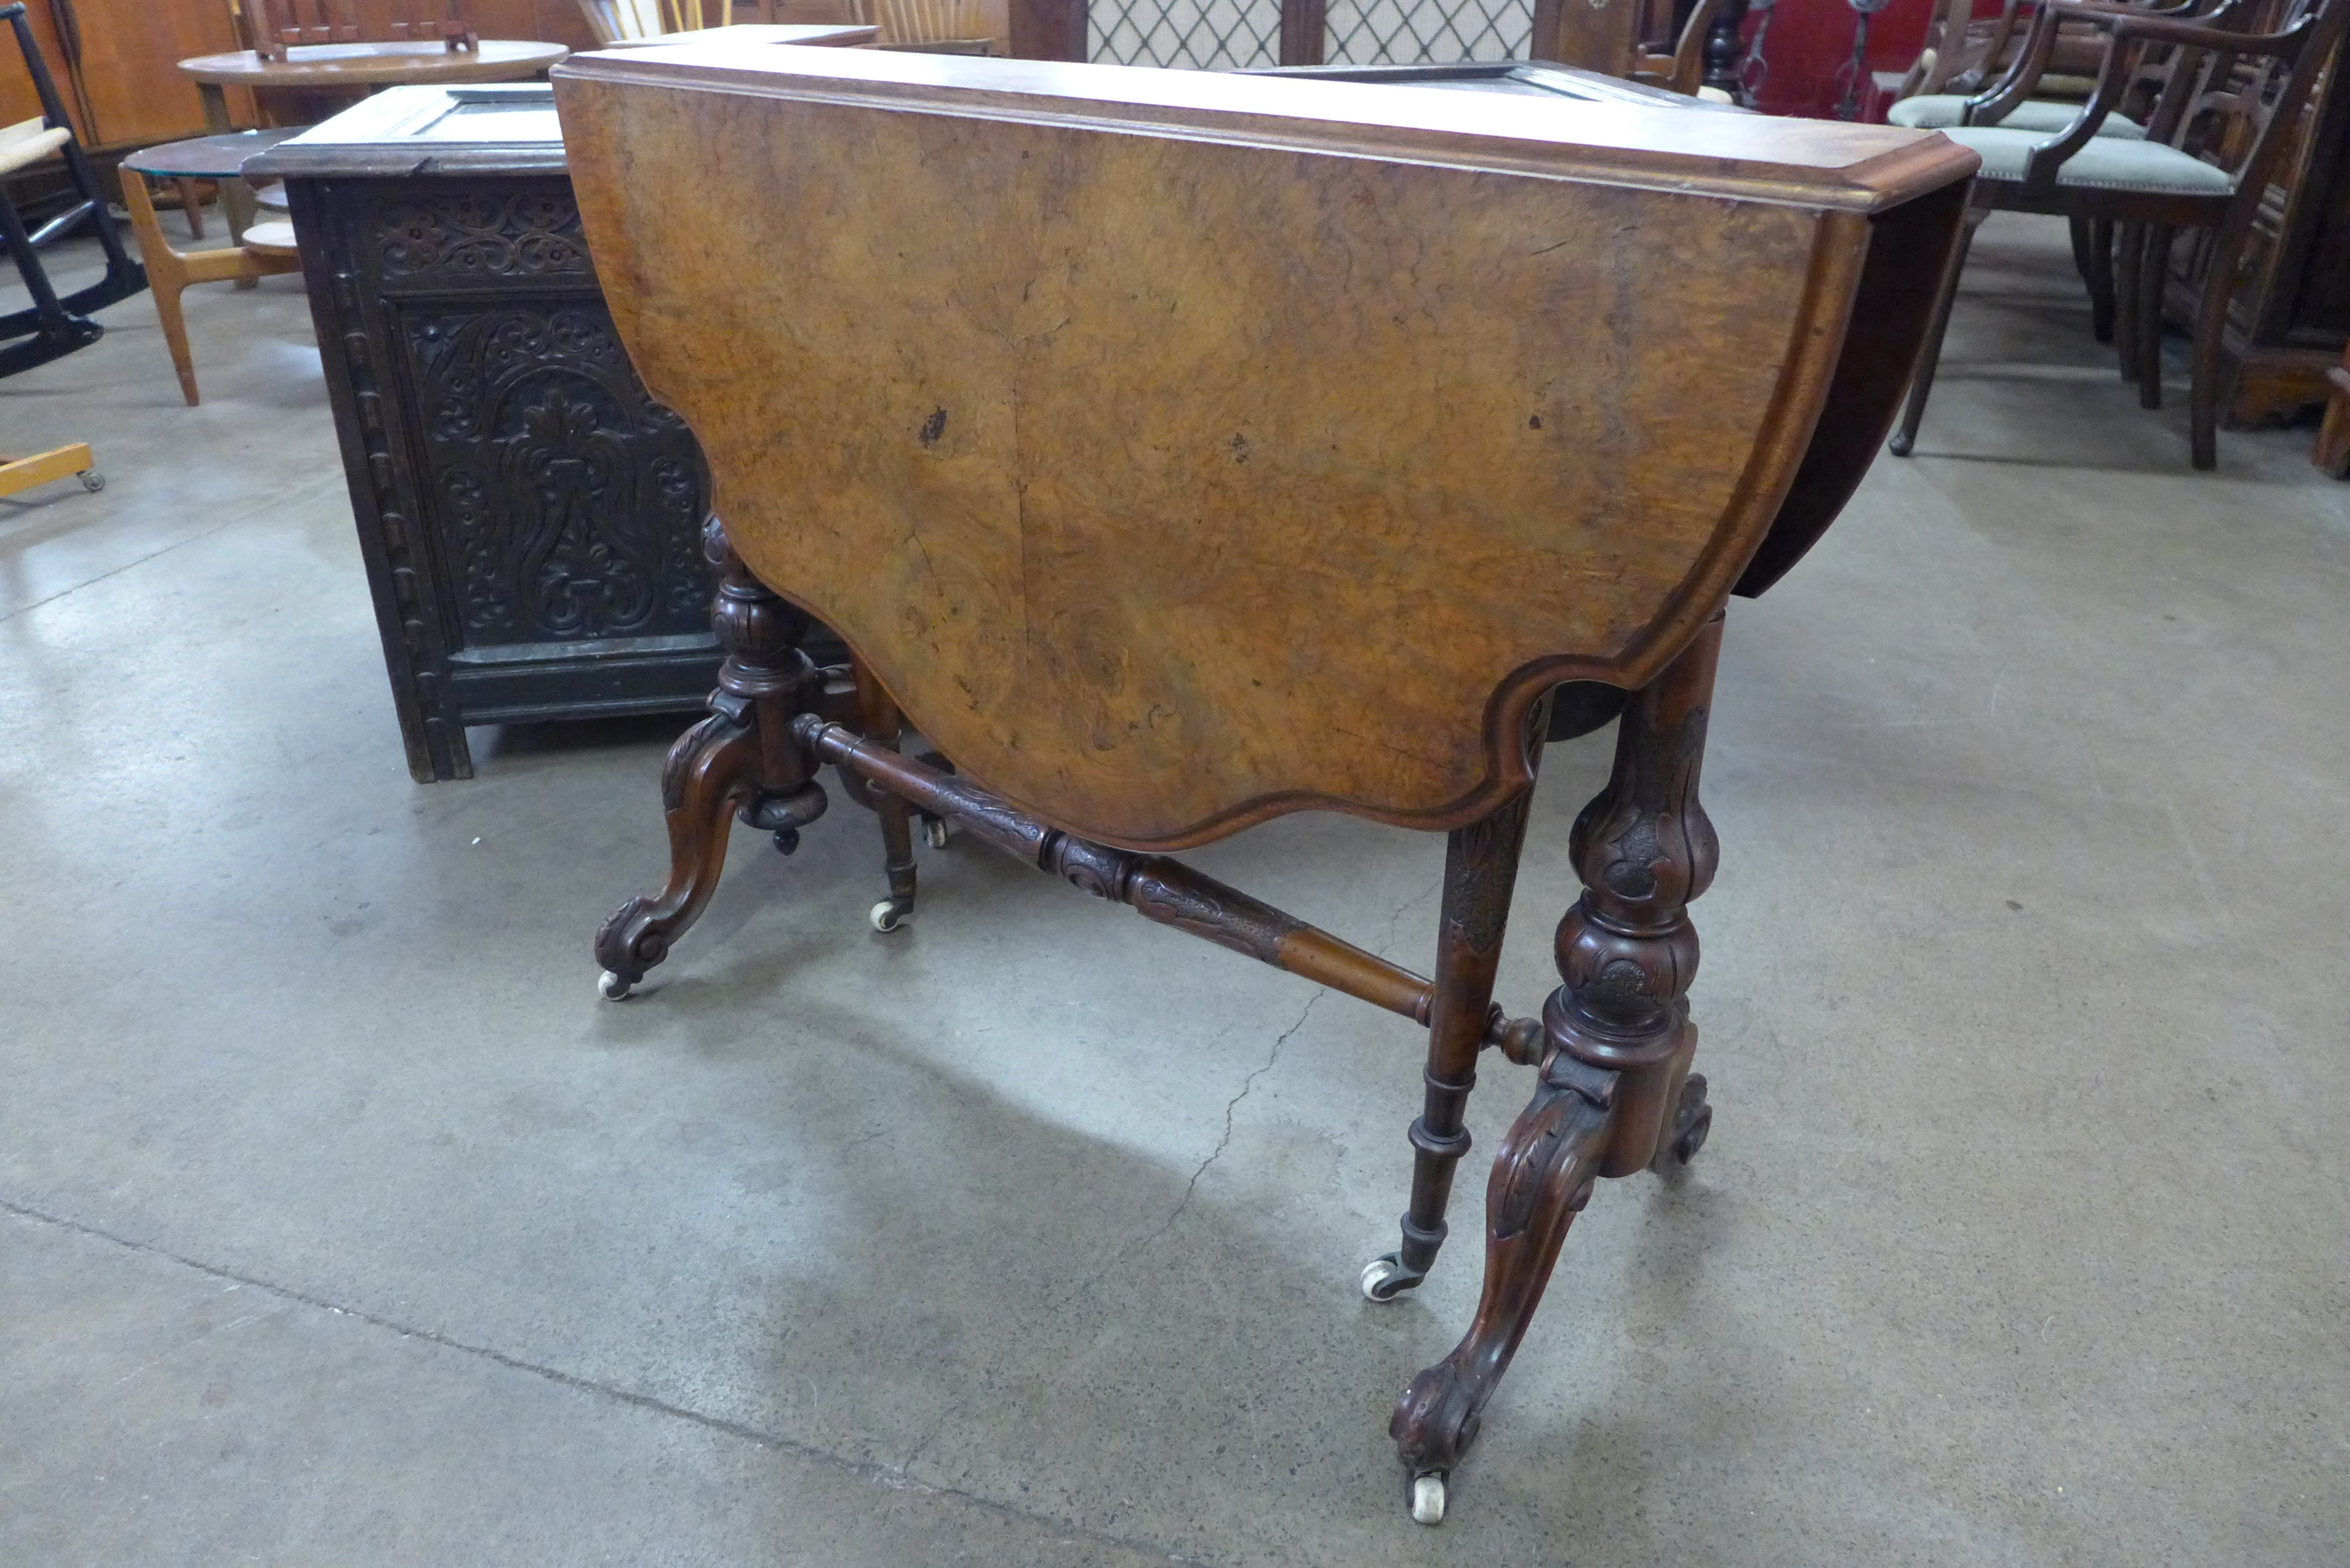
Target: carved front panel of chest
{"x":561,"y":503}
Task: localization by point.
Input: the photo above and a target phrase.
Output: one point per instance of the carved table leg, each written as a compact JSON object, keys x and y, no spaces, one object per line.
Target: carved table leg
{"x":879,"y":719}
{"x":741,"y":761}
{"x":1480,"y":869}
{"x":1617,"y":1048}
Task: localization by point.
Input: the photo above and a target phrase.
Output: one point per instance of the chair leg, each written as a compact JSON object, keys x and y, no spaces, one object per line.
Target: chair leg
{"x":165,"y":279}
{"x":1921,"y":384}
{"x":2154,"y":270}
{"x":166,"y":291}
{"x":1481,"y":870}
{"x":882,"y":724}
{"x":2211,"y":340}
{"x":1614,"y":1095}
{"x":2098,"y":274}
{"x":55,"y":321}
{"x":191,"y":207}
{"x":741,"y":760}
{"x":2129,"y":250}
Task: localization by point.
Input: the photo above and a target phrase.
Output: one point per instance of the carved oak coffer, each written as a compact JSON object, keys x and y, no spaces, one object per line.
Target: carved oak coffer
{"x":530,"y":518}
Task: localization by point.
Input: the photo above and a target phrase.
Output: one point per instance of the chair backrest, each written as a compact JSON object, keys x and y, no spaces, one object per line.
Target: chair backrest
{"x":1676,"y":62}
{"x":615,"y":21}
{"x":1946,"y":53}
{"x":2239,"y":109}
{"x":273,"y":27}
{"x":923,"y":21}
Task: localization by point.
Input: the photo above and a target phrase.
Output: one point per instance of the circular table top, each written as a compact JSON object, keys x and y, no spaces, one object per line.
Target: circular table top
{"x":207,"y":157}
{"x":318,"y":66}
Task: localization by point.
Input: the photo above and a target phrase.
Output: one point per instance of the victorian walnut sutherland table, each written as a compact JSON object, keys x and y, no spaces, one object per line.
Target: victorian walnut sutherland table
{"x":1174,"y":451}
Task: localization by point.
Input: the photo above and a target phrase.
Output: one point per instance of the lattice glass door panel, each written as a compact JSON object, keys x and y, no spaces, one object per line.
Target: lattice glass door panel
{"x":1425,"y":32}
{"x":1203,"y":35}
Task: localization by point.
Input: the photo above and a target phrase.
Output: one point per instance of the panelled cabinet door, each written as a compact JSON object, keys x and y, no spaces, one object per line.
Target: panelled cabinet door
{"x":18,"y":99}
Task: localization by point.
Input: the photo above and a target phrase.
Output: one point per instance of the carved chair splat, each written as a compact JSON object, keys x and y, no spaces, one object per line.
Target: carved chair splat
{"x":274,"y":26}
{"x":1104,"y":475}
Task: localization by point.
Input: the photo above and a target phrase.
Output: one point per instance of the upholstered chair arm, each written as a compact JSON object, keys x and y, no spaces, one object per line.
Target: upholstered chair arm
{"x":2022,"y":81}
{"x":2131,"y":35}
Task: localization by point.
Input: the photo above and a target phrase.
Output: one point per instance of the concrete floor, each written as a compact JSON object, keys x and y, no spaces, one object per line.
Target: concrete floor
{"x":341,"y":1223}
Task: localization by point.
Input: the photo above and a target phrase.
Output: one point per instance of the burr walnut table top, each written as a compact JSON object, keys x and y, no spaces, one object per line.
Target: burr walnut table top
{"x":1180,"y":449}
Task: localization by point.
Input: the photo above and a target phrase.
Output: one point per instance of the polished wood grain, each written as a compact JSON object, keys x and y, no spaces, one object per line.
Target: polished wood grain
{"x":1072,"y":472}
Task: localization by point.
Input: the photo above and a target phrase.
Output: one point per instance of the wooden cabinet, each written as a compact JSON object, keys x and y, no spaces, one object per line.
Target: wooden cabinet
{"x":117,"y":64}
{"x":116,"y":61}
{"x":18,"y":100}
{"x":530,"y":518}
{"x":2290,"y":318}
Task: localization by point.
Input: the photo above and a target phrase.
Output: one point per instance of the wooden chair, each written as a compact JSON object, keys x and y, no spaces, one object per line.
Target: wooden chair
{"x":2007,"y":101}
{"x":621,"y":21}
{"x":52,"y":324}
{"x":273,"y":27}
{"x":263,"y":250}
{"x":1681,"y":68}
{"x":2229,"y":105}
{"x":928,"y":26}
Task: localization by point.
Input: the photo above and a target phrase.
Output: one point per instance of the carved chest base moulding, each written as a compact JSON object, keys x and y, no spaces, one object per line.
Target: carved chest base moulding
{"x":1176,"y":450}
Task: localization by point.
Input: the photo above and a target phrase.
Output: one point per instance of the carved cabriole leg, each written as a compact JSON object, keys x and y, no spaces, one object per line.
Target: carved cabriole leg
{"x":1617,"y":1046}
{"x":1541,"y":1180}
{"x":1480,"y":869}
{"x":742,"y":760}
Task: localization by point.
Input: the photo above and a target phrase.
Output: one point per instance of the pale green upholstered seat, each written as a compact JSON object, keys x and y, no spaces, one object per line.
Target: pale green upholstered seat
{"x":1940,"y":111}
{"x":2109,"y":163}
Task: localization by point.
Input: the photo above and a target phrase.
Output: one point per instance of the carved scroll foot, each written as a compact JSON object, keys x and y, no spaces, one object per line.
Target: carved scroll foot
{"x":1541,"y":1179}
{"x":708,"y":777}
{"x":741,"y":760}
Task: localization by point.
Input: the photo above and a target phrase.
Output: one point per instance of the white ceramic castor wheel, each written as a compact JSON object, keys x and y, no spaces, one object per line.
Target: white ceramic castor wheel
{"x":1428,"y":1498}
{"x":936,"y":830}
{"x":91,"y":480}
{"x":611,"y":987}
{"x":887,"y":917}
{"x":1381,"y":1277}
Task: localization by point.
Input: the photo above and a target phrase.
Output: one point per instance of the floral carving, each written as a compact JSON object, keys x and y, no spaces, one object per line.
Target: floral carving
{"x":483,"y":233}
{"x":571,"y":504}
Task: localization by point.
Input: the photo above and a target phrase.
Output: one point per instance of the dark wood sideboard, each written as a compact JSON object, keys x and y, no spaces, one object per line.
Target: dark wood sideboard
{"x":530,"y":518}
{"x":2289,"y":318}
